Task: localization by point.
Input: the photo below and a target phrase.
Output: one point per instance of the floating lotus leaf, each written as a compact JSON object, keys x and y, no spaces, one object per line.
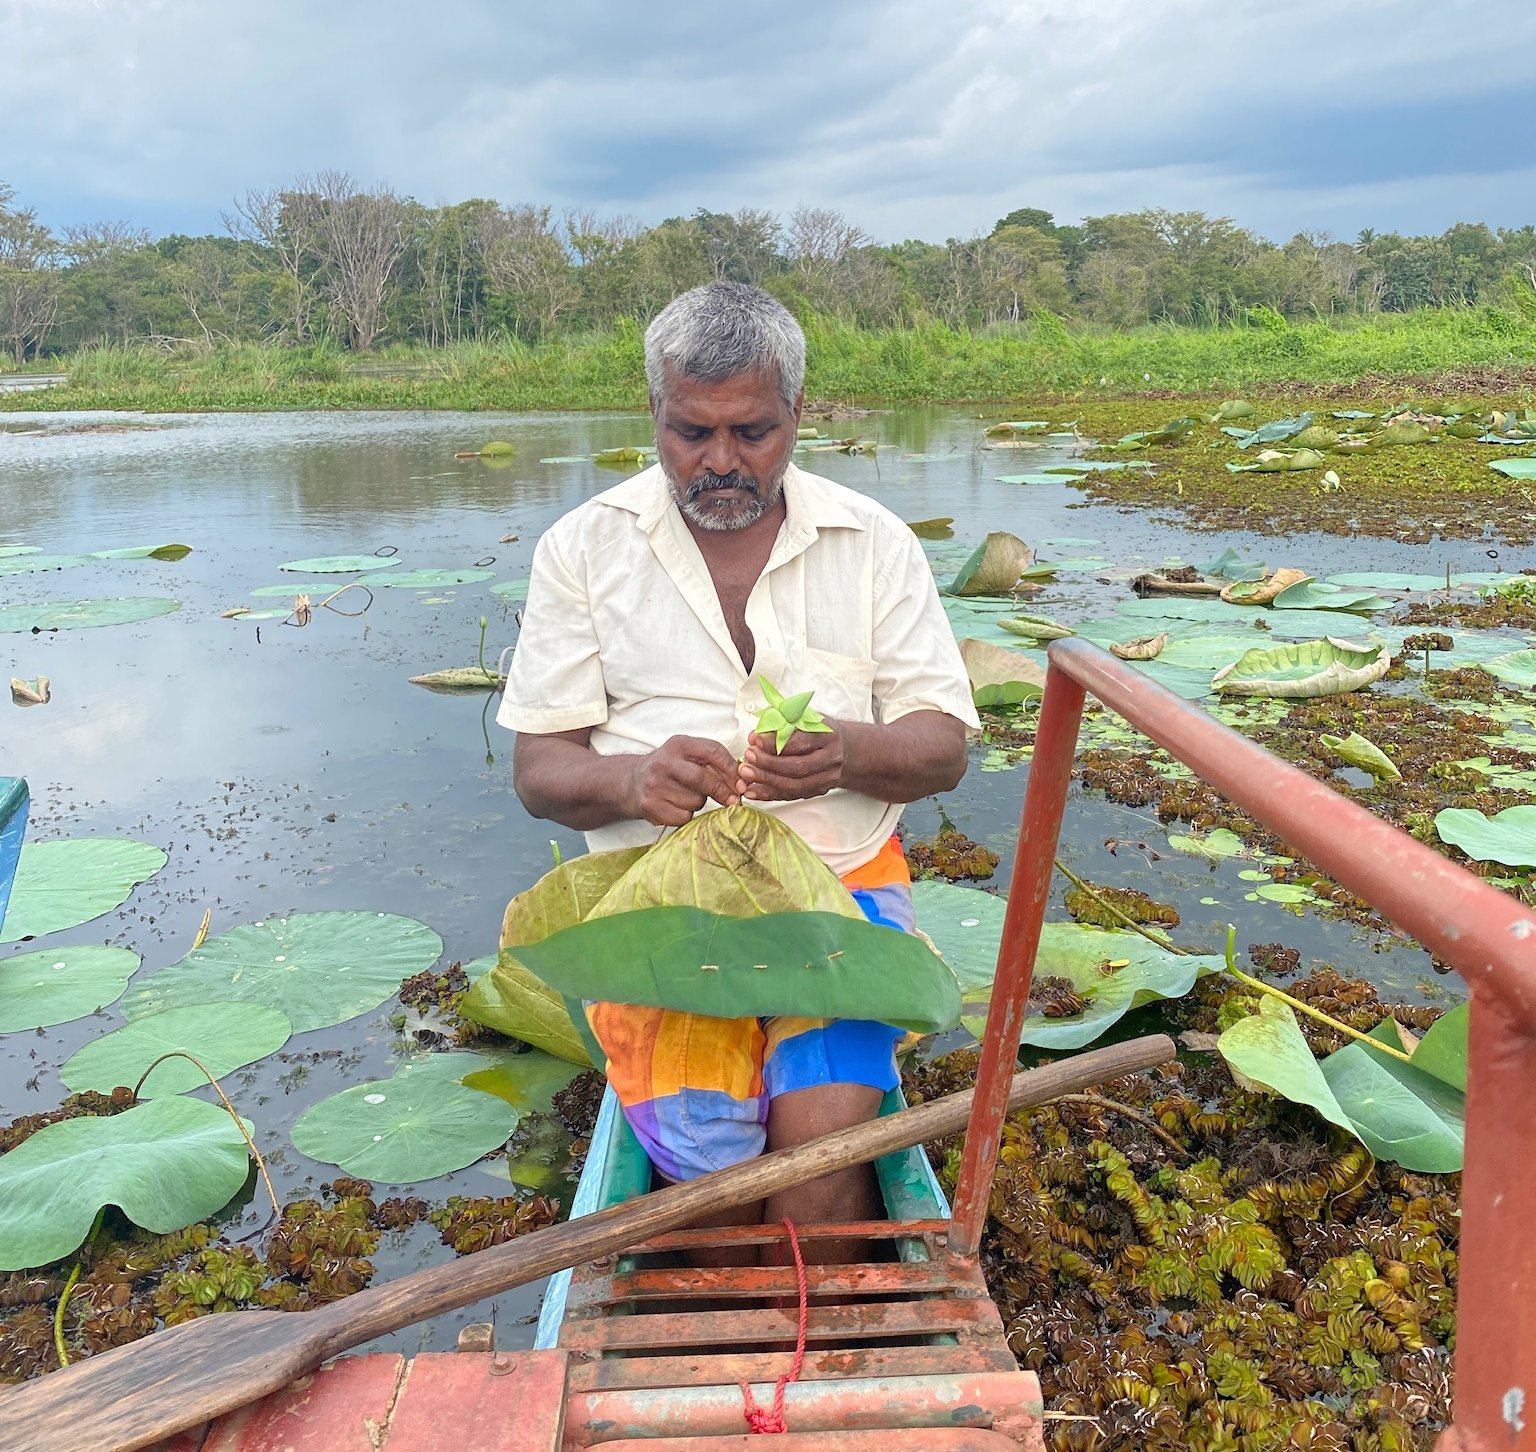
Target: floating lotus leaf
{"x":1442,"y":1052}
{"x":166,"y":1164}
{"x":1191,"y":684}
{"x":84,"y":614}
{"x":1356,"y":750}
{"x":340,"y":564}
{"x":1229,"y":565}
{"x":624,"y":454}
{"x":1174,"y":429}
{"x":276,"y":592}
{"x":511,"y":589}
{"x":31,"y":564}
{"x":240,"y":613}
{"x":57,"y":985}
{"x":1030,"y":478}
{"x":318,"y":968}
{"x":1261,"y":592}
{"x":1229,"y":409}
{"x":1316,"y":436}
{"x":821,"y":964}
{"x":995,"y":566}
{"x":422,"y":1123}
{"x":225,"y":1036}
{"x":940,"y":528}
{"x":1144,"y":647}
{"x":426,"y":579}
{"x":1404,"y":432}
{"x":1309,"y":595}
{"x":497,"y":448}
{"x":145,"y":552}
{"x":1168,"y":612}
{"x":1518,"y":667}
{"x":1094,"y":466}
{"x":459,"y":680}
{"x":1271,"y":433}
{"x":1272,"y":461}
{"x":1035,"y":627}
{"x":1326,"y":667}
{"x":1088,"y":957}
{"x":10,"y":552}
{"x":1009,"y":430}
{"x":64,"y":883}
{"x":1390,"y":580}
{"x":1207,"y":652}
{"x":527,"y":1081}
{"x":999,"y":676}
{"x":1508,"y":837}
{"x":1515,"y":468}
{"x":1216,"y":846}
{"x":966,"y":926}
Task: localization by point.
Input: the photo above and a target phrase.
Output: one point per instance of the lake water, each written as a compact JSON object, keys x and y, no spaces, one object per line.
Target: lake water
{"x":291,"y":769}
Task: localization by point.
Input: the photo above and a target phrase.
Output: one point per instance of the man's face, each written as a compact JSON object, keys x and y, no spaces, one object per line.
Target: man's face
{"x":724,"y":446}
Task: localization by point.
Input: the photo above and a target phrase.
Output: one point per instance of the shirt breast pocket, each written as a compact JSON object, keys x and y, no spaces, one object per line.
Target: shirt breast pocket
{"x":844,"y":684}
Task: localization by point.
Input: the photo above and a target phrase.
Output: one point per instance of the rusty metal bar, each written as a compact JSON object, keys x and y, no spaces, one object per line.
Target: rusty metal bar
{"x":1029,"y":889}
{"x":1487,"y":936}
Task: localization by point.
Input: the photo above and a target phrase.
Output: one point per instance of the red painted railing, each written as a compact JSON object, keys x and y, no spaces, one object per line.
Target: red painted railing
{"x":1483,"y":933}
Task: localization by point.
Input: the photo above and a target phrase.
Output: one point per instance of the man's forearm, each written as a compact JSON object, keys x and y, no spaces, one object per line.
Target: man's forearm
{"x":571,"y":784}
{"x":913,"y":757}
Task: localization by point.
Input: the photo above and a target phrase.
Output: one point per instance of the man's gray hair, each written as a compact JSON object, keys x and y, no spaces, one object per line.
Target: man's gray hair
{"x":722,"y":330}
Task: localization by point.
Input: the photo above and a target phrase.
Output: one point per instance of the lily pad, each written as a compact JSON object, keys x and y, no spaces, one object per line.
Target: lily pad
{"x":225,"y":1036}
{"x":318,"y":968}
{"x":1309,"y":595}
{"x":1215,"y":846}
{"x":1508,"y":837}
{"x":1207,"y":652}
{"x":527,"y":1081}
{"x":511,"y":589}
{"x":1515,"y":468}
{"x":1518,"y":667}
{"x":32,"y":564}
{"x":1272,"y":433}
{"x":57,"y":985}
{"x":1390,"y":580}
{"x":340,"y":564}
{"x":64,"y":883}
{"x":940,"y":528}
{"x":84,"y":614}
{"x":1327,"y":667}
{"x":10,"y":552}
{"x":422,"y":1123}
{"x":994,"y":567}
{"x":426,"y":579}
{"x":966,"y":926}
{"x":1230,"y":565}
{"x":166,"y":1164}
{"x":145,"y":552}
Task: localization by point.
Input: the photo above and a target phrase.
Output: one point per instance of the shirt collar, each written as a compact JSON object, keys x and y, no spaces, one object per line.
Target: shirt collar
{"x":810,"y":503}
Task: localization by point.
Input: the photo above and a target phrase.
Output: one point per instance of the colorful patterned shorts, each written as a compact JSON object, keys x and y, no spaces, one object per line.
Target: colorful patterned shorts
{"x":696,"y":1090}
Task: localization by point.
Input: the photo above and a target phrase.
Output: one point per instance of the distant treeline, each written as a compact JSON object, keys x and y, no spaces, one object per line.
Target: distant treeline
{"x":325,"y":260}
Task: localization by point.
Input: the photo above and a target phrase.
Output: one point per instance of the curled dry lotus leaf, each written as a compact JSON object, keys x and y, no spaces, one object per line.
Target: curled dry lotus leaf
{"x":1316,"y":436}
{"x":1359,"y":751}
{"x":35,"y":692}
{"x":1036,"y":627}
{"x":1232,"y":408}
{"x":1261,"y":592}
{"x":1311,"y":668}
{"x":995,"y":566}
{"x":1403,"y":431}
{"x":459,"y":680}
{"x":1144,"y":647}
{"x":994,"y":672}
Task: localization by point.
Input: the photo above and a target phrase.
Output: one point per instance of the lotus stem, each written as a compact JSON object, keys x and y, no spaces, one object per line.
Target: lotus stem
{"x":1257,"y":984}
{"x":325,"y":604}
{"x":69,"y":1285}
{"x":218,"y":1089}
{"x":484,"y":625}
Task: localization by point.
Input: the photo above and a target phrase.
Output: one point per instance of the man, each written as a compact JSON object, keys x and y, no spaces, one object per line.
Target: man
{"x":653,"y":610}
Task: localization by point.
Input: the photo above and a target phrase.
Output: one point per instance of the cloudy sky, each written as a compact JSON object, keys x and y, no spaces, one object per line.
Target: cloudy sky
{"x":918,"y":118}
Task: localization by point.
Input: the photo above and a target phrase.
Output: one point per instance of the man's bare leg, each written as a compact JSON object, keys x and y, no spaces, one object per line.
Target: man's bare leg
{"x":850,"y":1194}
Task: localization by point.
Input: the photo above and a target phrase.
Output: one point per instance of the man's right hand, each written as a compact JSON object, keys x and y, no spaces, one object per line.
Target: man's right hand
{"x":673,"y":782}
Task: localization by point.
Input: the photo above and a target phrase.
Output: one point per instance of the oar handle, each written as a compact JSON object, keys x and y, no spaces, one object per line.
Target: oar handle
{"x":438,"y":1289}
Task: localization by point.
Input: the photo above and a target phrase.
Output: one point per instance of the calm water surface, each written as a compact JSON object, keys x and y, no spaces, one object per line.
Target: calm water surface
{"x":294,"y":770}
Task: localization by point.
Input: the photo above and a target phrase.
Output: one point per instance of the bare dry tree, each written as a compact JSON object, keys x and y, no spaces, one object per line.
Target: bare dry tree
{"x":359,"y":237}
{"x":29,"y":278}
{"x":526,"y":256}
{"x":285,"y":221}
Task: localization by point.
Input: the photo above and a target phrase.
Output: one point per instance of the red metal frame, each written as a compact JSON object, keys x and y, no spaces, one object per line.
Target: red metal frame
{"x":1488,"y":937}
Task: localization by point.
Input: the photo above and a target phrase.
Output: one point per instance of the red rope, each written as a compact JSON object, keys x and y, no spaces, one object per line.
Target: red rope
{"x":772,"y":1420}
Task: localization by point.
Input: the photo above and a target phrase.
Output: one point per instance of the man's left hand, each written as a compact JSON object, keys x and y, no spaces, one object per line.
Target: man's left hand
{"x":810,"y":765}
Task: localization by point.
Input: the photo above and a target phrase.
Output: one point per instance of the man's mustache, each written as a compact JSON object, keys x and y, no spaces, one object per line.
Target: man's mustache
{"x":708,"y":483}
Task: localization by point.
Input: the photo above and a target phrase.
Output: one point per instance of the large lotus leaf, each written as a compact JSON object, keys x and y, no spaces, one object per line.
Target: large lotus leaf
{"x":1216,"y":846}
{"x":1325,"y":667}
{"x":1261,"y":592}
{"x":1000,"y":676}
{"x":1359,"y":751}
{"x":1275,"y":432}
{"x":509,"y":998}
{"x":9,"y":552}
{"x":1232,"y":566}
{"x":938,"y":528}
{"x":1515,"y":468}
{"x":1230,"y":409}
{"x":1207,"y":652}
{"x":1509,"y":837}
{"x":318,"y":968}
{"x":1268,"y":1048}
{"x":966,"y":926}
{"x":994,"y":567}
{"x":1404,"y":431}
{"x":1442,"y":1052}
{"x":527,"y":1081}
{"x":28,"y":564}
{"x":418,"y":1125}
{"x":84,"y":614}
{"x":1191,"y":684}
{"x":426,"y":579}
{"x":63,"y":883}
{"x":56,"y":985}
{"x":340,"y":564}
{"x":511,"y":589}
{"x":1518,"y":667}
{"x":145,"y":552}
{"x":1035,"y":627}
{"x":1008,"y":430}
{"x":166,"y":1164}
{"x":1400,"y":1112}
{"x":1392,"y":580}
{"x":819,"y":964}
{"x":1273,"y":461}
{"x":1317,"y":436}
{"x":1309,"y":595}
{"x":736,"y":862}
{"x":225,"y":1036}
{"x":1084,"y":955}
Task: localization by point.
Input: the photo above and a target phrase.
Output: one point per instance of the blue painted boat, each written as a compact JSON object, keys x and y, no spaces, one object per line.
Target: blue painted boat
{"x":13,"y":826}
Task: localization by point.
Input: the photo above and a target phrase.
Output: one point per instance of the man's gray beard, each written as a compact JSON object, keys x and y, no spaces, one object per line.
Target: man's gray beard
{"x":695,"y":502}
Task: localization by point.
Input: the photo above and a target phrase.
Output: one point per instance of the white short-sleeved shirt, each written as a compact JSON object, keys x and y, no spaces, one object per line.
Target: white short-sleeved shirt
{"x":623,"y":632}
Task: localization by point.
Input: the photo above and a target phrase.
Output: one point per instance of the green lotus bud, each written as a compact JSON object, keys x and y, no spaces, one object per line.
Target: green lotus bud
{"x":784,"y":715}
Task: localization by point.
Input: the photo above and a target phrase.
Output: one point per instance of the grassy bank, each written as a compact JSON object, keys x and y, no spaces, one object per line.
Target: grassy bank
{"x":929,"y":363}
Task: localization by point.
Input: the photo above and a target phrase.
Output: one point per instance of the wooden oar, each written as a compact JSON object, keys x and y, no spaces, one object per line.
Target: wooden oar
{"x":188,"y":1374}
